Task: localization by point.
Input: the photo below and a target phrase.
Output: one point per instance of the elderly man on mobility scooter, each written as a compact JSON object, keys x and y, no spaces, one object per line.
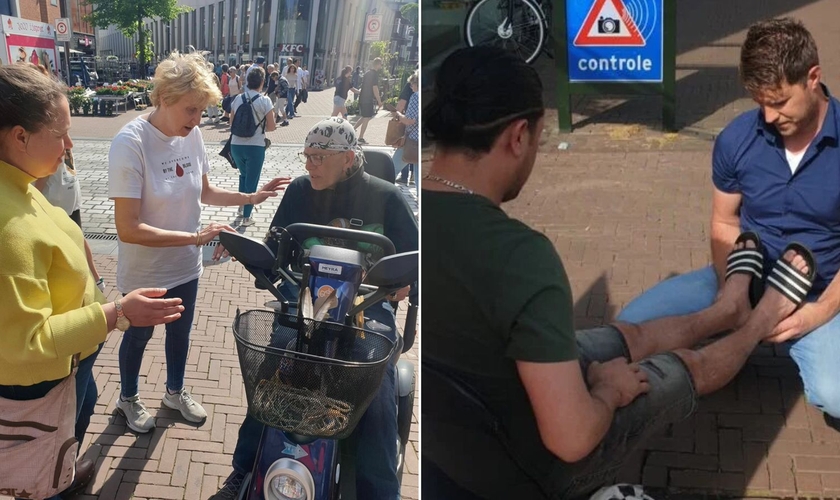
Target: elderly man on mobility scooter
{"x":338,"y":192}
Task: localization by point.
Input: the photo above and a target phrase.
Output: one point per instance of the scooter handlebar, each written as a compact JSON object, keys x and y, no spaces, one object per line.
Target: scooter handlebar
{"x":301,"y":231}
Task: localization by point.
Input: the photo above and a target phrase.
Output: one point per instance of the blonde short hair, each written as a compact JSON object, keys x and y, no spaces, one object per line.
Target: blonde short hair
{"x":414,"y":78}
{"x":182,"y":75}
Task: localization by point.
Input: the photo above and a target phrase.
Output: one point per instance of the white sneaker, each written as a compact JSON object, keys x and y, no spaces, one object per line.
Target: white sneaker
{"x":247,"y":221}
{"x":184,"y":403}
{"x":136,"y":415}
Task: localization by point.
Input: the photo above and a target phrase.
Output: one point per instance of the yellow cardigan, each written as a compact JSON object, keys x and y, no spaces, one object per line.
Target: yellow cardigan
{"x":50,"y":307}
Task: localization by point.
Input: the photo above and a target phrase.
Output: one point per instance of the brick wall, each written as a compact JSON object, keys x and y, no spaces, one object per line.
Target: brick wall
{"x":40,"y":10}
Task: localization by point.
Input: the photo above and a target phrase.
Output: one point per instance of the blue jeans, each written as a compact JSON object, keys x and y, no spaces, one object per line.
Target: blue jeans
{"x":815,"y":354}
{"x":376,"y":433}
{"x":86,"y":395}
{"x":290,"y":103}
{"x":250,"y":160}
{"x":177,"y":345}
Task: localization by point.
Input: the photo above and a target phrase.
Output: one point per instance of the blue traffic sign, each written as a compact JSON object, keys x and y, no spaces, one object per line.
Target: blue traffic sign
{"x":615,"y":40}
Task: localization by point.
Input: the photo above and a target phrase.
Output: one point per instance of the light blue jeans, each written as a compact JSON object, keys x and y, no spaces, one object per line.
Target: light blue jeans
{"x":816,"y":354}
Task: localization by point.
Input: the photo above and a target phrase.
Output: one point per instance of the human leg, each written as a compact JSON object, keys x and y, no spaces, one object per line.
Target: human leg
{"x":239,"y":157}
{"x":399,"y":163}
{"x":676,"y":380}
{"x":290,"y":99}
{"x":177,"y":342}
{"x":176,"y":348}
{"x":86,"y":394}
{"x":376,"y":433}
{"x":677,"y":296}
{"x":730,"y":310}
{"x":253,"y":158}
{"x":376,"y":455}
{"x":672,"y":398}
{"x":363,"y":123}
{"x":714,"y":365}
{"x":816,"y":355}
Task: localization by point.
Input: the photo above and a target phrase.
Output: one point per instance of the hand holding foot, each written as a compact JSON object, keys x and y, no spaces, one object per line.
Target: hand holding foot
{"x":789,"y":282}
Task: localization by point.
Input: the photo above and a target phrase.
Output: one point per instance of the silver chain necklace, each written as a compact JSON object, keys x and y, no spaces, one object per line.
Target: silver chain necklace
{"x":445,"y":182}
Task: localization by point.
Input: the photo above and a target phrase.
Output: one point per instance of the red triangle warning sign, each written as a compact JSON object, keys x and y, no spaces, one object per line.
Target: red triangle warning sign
{"x":609,"y":24}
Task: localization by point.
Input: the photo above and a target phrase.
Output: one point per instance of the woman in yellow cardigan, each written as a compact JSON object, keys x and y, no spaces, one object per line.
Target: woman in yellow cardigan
{"x":50,"y":306}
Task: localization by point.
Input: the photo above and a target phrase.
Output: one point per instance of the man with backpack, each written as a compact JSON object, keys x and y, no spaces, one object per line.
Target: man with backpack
{"x":251,"y":116}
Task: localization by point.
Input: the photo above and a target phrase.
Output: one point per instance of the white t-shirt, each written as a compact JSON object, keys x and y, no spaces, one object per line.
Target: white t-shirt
{"x":233,"y":85}
{"x":794,"y":159}
{"x":262,"y":107}
{"x":303,"y":79}
{"x":166,"y":174}
{"x":63,"y":191}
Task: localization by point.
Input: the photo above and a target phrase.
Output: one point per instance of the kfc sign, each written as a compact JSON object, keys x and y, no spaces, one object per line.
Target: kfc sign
{"x":291,"y":48}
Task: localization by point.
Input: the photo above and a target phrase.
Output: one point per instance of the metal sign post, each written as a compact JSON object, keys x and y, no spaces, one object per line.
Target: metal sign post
{"x":64,"y":33}
{"x":617,"y":47}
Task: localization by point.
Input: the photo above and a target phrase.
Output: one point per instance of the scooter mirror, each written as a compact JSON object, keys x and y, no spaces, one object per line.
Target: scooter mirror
{"x":249,"y":251}
{"x":395,"y":271}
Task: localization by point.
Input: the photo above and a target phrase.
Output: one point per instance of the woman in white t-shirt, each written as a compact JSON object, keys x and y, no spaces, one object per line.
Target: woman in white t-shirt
{"x":292,"y":77}
{"x":157,"y":177}
{"x":63,"y":191}
{"x":233,"y":82}
{"x":249,"y":152}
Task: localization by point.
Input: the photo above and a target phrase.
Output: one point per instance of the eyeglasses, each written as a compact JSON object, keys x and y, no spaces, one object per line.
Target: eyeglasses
{"x":316,"y":160}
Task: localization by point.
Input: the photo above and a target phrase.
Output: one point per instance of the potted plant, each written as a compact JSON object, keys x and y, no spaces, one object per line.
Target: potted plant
{"x":87,"y":104}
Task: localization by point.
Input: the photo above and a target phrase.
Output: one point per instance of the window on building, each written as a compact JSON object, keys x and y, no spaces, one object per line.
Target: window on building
{"x":293,"y":22}
{"x":245,"y":29}
{"x":221,"y":28}
{"x":185,"y":24}
{"x":263,"y":16}
{"x":211,"y":46}
{"x":233,"y":28}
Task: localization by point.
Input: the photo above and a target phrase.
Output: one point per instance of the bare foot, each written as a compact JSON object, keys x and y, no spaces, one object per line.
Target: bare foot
{"x":774,"y":306}
{"x":734,"y":297}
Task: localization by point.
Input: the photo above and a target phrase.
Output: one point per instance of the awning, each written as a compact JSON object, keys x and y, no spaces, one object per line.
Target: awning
{"x":72,"y":51}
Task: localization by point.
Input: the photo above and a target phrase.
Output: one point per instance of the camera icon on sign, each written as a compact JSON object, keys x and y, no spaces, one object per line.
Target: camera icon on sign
{"x":608,"y":25}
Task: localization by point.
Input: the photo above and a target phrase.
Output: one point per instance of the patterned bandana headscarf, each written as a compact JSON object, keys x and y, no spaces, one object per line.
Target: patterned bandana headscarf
{"x":336,"y":134}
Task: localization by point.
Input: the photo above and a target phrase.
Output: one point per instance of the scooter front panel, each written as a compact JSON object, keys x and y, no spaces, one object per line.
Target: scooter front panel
{"x":320,"y":457}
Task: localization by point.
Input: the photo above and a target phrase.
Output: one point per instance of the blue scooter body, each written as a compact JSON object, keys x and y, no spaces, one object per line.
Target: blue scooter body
{"x":320,"y":457}
{"x":333,"y":268}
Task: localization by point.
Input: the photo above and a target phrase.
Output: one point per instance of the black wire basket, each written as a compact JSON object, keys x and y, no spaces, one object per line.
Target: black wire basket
{"x":313,"y":379}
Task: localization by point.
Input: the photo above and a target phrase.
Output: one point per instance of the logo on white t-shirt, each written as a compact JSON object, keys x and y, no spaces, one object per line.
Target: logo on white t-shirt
{"x":178,"y":169}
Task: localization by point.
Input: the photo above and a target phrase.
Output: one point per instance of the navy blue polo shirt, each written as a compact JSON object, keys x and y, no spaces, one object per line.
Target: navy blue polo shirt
{"x":749,"y":158}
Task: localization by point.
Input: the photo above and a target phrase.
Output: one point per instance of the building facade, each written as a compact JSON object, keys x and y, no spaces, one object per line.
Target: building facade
{"x":47,"y":11}
{"x":325,"y":35}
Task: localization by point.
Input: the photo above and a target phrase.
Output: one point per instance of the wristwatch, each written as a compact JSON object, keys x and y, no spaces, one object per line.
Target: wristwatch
{"x":122,"y":322}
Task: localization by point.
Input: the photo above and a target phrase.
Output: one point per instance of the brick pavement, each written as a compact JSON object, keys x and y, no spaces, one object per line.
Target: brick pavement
{"x":179,"y":460}
{"x":627,"y":206}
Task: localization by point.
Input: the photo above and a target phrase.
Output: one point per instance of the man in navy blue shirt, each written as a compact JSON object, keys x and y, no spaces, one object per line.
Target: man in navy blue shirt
{"x":776,"y":171}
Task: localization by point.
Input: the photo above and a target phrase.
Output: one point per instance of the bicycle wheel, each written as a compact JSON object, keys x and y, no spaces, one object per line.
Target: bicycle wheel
{"x":524,"y":34}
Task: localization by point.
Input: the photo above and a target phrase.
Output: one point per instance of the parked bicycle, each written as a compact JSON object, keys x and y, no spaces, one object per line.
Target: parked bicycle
{"x":521,"y":26}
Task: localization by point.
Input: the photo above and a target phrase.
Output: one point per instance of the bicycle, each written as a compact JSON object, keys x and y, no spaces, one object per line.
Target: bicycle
{"x":521,"y":26}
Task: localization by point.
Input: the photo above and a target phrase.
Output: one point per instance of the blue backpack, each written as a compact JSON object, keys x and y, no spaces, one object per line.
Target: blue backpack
{"x":244,"y":124}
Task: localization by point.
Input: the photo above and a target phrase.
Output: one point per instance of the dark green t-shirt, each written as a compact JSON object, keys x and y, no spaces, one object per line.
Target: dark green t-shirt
{"x":496,"y":292}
